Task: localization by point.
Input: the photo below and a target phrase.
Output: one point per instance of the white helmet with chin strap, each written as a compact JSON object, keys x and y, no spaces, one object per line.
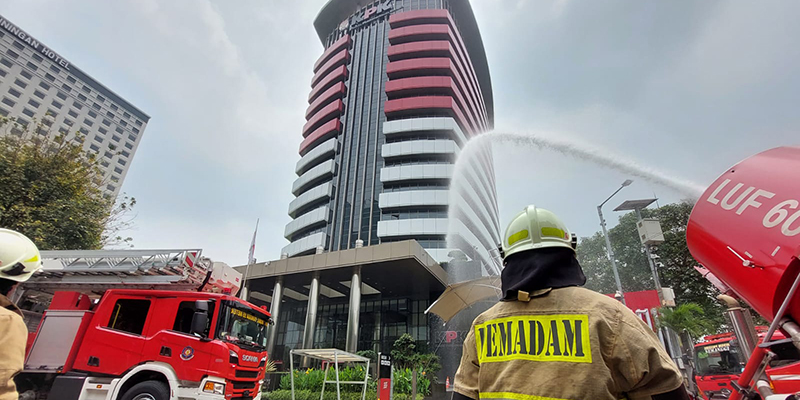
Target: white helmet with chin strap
{"x":19,"y":257}
{"x":536,"y":228}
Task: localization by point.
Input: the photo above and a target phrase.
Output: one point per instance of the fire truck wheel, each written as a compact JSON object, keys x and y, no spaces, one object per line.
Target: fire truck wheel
{"x":147,"y":390}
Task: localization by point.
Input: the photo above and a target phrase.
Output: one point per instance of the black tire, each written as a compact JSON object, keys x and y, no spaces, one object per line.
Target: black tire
{"x":147,"y":390}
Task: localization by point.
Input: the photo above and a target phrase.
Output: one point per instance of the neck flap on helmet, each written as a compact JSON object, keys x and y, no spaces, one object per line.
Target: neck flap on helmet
{"x":534,"y":270}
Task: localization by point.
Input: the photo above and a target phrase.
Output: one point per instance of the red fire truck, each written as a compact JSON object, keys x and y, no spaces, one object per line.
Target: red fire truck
{"x":746,"y":230}
{"x":141,"y":325}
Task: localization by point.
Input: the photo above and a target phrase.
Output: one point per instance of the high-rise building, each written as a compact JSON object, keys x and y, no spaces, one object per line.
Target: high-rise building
{"x":400,"y":88}
{"x":38,"y":85}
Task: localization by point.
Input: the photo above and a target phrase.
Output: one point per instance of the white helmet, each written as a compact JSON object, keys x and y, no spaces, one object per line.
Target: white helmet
{"x":19,"y":257}
{"x":536,"y":228}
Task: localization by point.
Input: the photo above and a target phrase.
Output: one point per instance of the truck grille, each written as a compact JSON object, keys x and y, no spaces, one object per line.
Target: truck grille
{"x":244,"y":385}
{"x":246,"y":374}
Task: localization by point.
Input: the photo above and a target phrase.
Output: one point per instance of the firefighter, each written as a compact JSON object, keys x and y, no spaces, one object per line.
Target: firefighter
{"x":19,"y":259}
{"x":550,"y":339}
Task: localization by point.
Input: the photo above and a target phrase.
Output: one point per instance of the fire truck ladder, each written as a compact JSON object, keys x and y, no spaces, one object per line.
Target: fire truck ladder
{"x":98,"y":270}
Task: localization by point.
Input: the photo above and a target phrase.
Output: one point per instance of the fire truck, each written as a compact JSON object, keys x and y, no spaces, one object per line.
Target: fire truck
{"x":745,"y":229}
{"x":140,"y":325}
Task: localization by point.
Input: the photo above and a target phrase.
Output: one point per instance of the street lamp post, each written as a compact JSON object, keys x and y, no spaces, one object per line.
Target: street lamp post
{"x":637,"y":206}
{"x":608,"y":240}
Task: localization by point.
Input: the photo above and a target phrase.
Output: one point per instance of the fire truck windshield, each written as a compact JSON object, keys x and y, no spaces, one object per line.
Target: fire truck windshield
{"x":718,"y":359}
{"x":238,"y":324}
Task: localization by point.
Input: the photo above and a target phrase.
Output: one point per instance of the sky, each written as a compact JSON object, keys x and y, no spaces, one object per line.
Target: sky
{"x":684,"y":87}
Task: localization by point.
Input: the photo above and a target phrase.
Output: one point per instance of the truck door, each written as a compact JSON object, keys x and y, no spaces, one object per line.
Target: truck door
{"x":115,"y":341}
{"x":174,"y":343}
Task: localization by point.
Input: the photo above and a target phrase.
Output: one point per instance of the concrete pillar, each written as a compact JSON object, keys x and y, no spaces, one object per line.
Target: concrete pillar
{"x":354,"y":310}
{"x":274,"y":310}
{"x":311,"y":316}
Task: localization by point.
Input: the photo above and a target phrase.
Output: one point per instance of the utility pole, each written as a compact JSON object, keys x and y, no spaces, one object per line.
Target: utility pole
{"x":609,"y":251}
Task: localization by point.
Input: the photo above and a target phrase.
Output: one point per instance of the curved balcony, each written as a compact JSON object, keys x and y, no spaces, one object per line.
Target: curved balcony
{"x":306,"y":244}
{"x":324,"y":191}
{"x":313,"y":176}
{"x":426,"y":124}
{"x":336,"y":91}
{"x":412,"y":227}
{"x":340,"y":58}
{"x":342,"y":43}
{"x":326,"y":131}
{"x":333,"y":110}
{"x":419,"y":147}
{"x":416,"y":172}
{"x":411,"y":106}
{"x":338,"y":74}
{"x":309,"y":219}
{"x":322,"y":152}
{"x":414,"y":198}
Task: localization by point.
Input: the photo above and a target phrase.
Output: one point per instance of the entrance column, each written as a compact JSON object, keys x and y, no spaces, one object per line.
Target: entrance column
{"x":354,"y":310}
{"x":274,"y":310}
{"x":311,"y":316}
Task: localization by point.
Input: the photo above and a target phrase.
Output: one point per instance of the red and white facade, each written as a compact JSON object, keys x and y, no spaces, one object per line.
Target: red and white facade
{"x":400,"y":88}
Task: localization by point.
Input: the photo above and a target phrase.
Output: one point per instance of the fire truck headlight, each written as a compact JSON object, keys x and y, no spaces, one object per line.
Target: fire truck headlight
{"x":214,"y":387}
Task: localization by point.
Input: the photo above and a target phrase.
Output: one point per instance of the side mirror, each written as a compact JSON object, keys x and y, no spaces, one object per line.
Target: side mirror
{"x":200,"y":318}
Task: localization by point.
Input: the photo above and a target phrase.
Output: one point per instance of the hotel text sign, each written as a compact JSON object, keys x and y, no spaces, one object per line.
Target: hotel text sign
{"x":23,"y":36}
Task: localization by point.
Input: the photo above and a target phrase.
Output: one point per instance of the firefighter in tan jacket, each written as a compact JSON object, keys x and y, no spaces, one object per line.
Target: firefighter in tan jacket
{"x":550,"y":339}
{"x":19,"y":259}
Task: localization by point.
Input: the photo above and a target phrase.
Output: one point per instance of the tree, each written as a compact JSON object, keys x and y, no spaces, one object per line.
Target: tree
{"x":51,"y":190}
{"x":675,"y":263}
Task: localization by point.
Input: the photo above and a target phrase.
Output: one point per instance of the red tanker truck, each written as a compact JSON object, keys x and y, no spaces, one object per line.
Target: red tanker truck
{"x":745,"y":229}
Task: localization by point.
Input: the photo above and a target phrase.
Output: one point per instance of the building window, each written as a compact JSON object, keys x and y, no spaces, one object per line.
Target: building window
{"x":20,"y":83}
{"x":28,"y":112}
{"x":38,"y":94}
{"x":56,"y":104}
{"x":3,"y":112}
{"x":61,"y":95}
{"x":37,"y":57}
{"x":119,"y":130}
{"x":26,"y":74}
{"x":34,"y":103}
{"x":104,"y":163}
{"x":49,"y":77}
{"x":129,"y":315}
{"x":110,"y":187}
{"x":126,"y":115}
{"x":5,"y":62}
{"x":121,"y":162}
{"x":18,"y":45}
{"x":54,"y":69}
{"x":96,"y":106}
{"x":94,"y":147}
{"x":92,"y":114}
{"x":51,"y":112}
{"x":115,"y":138}
{"x":132,"y":137}
{"x":3,"y":72}
{"x":123,"y":123}
{"x":70,"y":79}
{"x":86,"y":89}
{"x":109,"y":114}
{"x":114,"y":178}
{"x":9,"y":102}
{"x":114,"y":107}
{"x":14,"y":92}
{"x":44,"y":85}
{"x":88,"y":122}
{"x":12,"y":53}
{"x":77,"y":105}
{"x":118,"y":170}
{"x":66,"y":87}
{"x":83,"y":130}
{"x":106,"y":122}
{"x":136,"y":130}
{"x":72,"y":114}
{"x":101,"y":98}
{"x":125,"y":153}
{"x":128,"y":145}
{"x":102,"y":130}
{"x":138,"y":123}
{"x":81,"y":97}
{"x":68,"y":122}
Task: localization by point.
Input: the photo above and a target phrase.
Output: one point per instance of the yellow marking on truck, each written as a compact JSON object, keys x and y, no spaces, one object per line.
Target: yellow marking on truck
{"x":561,"y":337}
